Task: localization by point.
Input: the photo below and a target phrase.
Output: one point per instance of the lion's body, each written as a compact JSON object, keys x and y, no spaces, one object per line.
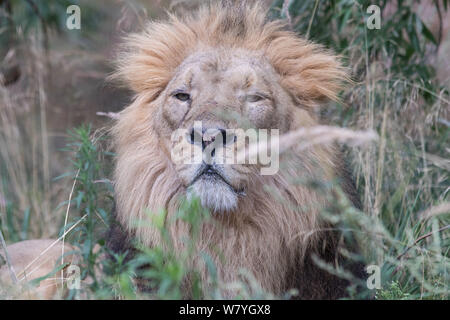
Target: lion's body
{"x":31,"y":260}
{"x":274,"y":229}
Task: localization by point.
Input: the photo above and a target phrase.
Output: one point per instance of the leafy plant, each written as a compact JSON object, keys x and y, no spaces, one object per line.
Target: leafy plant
{"x":92,"y":199}
{"x":392,"y":292}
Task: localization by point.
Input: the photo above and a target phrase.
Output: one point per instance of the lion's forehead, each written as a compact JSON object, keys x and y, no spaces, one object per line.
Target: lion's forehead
{"x":237,"y":67}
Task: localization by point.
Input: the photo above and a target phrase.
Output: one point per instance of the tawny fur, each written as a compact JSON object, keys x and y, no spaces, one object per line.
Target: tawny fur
{"x":277,"y":223}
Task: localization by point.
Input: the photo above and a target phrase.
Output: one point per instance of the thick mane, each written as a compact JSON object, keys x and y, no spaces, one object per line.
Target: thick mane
{"x":270,"y":233}
{"x":149,"y":59}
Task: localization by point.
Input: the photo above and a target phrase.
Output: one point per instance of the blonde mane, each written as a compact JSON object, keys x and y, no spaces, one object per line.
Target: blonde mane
{"x":272,"y":230}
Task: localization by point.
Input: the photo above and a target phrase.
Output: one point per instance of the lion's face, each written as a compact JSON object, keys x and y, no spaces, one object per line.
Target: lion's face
{"x":223,"y":90}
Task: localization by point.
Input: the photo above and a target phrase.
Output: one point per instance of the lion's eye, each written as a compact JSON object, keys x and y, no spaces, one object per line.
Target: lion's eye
{"x":254,"y":98}
{"x":182,"y":96}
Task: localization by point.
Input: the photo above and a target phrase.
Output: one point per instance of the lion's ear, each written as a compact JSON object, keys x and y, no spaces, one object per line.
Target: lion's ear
{"x":146,"y":61}
{"x":311,"y":73}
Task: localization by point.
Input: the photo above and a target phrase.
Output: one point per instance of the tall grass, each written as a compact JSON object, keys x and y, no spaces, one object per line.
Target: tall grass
{"x":406,"y":173}
{"x":26,"y":192}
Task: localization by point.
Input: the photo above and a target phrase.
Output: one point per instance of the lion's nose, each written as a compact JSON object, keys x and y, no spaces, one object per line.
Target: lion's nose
{"x":206,"y":137}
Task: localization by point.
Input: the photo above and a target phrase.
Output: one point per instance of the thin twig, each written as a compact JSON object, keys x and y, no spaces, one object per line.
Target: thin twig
{"x":306,"y":138}
{"x":36,"y":10}
{"x":8,"y":260}
{"x":285,"y":11}
{"x":65,"y":221}
{"x":438,"y":9}
{"x":421,"y":238}
{"x":112,"y":115}
{"x":312,"y":18}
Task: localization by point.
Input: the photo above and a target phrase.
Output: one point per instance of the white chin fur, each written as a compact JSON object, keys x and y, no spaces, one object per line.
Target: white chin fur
{"x":214,"y":195}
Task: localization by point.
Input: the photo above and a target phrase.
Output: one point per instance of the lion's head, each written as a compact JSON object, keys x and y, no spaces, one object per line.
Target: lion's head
{"x":226,"y":67}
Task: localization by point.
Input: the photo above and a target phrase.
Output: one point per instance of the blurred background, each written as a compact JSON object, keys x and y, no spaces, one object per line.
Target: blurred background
{"x":53,"y":79}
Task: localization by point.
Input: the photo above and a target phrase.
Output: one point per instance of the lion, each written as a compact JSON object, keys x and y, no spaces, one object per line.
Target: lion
{"x":23,"y":263}
{"x":229,"y":59}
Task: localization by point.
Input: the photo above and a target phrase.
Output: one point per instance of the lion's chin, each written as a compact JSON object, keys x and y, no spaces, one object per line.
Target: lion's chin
{"x":214,"y":194}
